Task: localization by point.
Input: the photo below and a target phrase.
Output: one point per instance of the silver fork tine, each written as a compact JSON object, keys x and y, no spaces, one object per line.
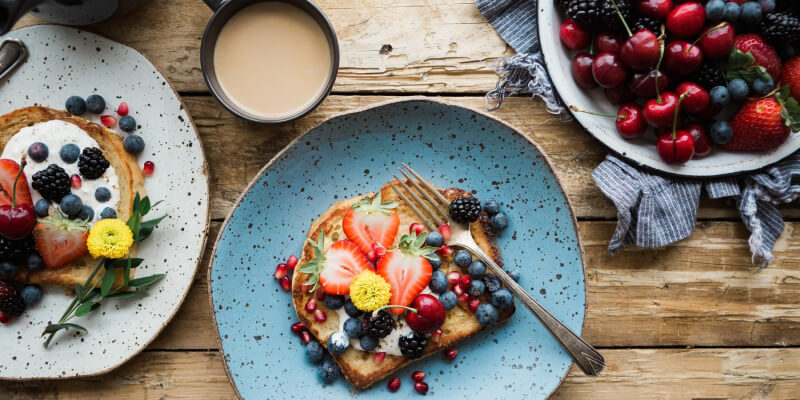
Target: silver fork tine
{"x":414,"y":208}
{"x":428,"y":185}
{"x":435,"y":218}
{"x":427,"y":196}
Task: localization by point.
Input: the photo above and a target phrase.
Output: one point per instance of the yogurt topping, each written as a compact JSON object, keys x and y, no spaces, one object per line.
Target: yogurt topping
{"x":55,"y":134}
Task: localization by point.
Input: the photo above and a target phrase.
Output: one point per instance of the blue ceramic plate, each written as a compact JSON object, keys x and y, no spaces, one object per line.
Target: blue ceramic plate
{"x":356,"y":153}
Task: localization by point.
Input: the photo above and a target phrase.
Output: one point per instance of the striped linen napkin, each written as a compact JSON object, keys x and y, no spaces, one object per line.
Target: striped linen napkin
{"x":652,"y":210}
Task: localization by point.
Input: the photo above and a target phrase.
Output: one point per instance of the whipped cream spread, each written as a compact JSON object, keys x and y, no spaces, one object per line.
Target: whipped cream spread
{"x":55,"y":134}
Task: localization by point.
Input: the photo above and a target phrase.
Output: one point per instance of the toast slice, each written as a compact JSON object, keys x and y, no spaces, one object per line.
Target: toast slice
{"x":357,"y":366}
{"x":128,"y":172}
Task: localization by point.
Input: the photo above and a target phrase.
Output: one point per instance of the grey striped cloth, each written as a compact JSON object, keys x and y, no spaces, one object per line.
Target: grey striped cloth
{"x":653,"y":211}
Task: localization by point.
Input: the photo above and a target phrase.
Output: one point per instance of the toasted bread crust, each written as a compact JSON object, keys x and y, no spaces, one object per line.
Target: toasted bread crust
{"x":357,"y":366}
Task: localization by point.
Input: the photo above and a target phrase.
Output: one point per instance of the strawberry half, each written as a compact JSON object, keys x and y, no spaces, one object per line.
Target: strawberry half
{"x":60,"y":240}
{"x":335,"y":267}
{"x":370,"y":221}
{"x":8,"y":173}
{"x":407,"y":270}
{"x":764,"y":124}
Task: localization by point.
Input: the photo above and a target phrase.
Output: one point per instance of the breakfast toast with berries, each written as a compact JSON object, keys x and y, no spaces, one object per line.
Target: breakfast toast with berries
{"x":347,"y":248}
{"x":62,"y":242}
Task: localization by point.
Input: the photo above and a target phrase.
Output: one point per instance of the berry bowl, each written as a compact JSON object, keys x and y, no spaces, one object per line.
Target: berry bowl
{"x":642,"y":150}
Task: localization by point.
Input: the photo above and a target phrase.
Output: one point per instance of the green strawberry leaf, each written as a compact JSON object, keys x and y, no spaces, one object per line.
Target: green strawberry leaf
{"x":738,"y":59}
{"x":790,"y":108}
{"x":743,"y":66}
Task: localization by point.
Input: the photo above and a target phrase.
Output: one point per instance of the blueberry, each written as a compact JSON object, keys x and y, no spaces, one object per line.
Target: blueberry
{"x":434,"y":260}
{"x":108,"y":213}
{"x":35,"y":262}
{"x":338,"y":343}
{"x":476,"y":269}
{"x":38,"y":152}
{"x":487,"y":314}
{"x":477,"y":288}
{"x":434,"y":239}
{"x":491,"y":206}
{"x":720,"y":97}
{"x":42,"y":208}
{"x":492,"y":282}
{"x":738,"y":87}
{"x":328,"y":372}
{"x":8,"y":270}
{"x":134,"y":144}
{"x":462,"y":258}
{"x":448,"y":299}
{"x":438,"y":282}
{"x":499,"y":221}
{"x":502,"y":298}
{"x":368,"y":342}
{"x":95,"y":104}
{"x":31,"y":294}
{"x":514,"y":274}
{"x":351,"y":309}
{"x":767,"y":5}
{"x":127,"y":123}
{"x":732,"y":12}
{"x":715,"y":10}
{"x":102,"y":194}
{"x":87,"y":213}
{"x":334,"y":302}
{"x":763,"y":86}
{"x":69,"y":153}
{"x":751,"y":13}
{"x":720,"y":132}
{"x":71,"y":205}
{"x":75,"y":105}
{"x":352,"y":327}
{"x":314,"y":352}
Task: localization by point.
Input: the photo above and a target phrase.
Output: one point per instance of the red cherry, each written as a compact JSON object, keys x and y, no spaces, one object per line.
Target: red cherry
{"x":17,"y":219}
{"x":659,"y":114}
{"x":630,"y":121}
{"x":149,"y":168}
{"x":418,"y":376}
{"x":644,"y":84}
{"x":608,"y":70}
{"x":686,"y":20}
{"x":702,"y":144}
{"x":415,"y":227}
{"x":619,"y":94}
{"x":428,"y":314}
{"x":394,"y":384}
{"x":697,"y":98}
{"x":421,"y":387}
{"x":607,"y":42}
{"x":574,"y":36}
{"x":717,"y":41}
{"x":641,"y":51}
{"x":682,"y":58}
{"x":582,"y":71}
{"x":656,"y":9}
{"x":678,"y":150}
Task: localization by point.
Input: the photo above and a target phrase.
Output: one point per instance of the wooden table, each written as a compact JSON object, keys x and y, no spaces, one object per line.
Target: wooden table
{"x":692,"y":320}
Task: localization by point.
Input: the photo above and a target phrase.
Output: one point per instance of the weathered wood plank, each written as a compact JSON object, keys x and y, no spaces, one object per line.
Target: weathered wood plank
{"x":634,"y":374}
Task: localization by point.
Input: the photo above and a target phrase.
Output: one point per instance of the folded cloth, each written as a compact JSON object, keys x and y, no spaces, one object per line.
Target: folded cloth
{"x":653,"y":210}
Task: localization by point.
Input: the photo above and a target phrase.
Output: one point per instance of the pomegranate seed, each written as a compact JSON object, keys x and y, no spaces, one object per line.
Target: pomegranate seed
{"x":458,"y":290}
{"x":446,"y":231}
{"x":436,"y":335}
{"x":108,"y":121}
{"x":291,"y":262}
{"x":445,"y":251}
{"x":4,"y":318}
{"x":298,"y":328}
{"x":320,"y":295}
{"x":473,"y":303}
{"x":75,"y":181}
{"x":416,"y":227}
{"x":421,"y":387}
{"x":378,"y":357}
{"x":122,"y":109}
{"x":281,"y":271}
{"x":320,"y":315}
{"x":371,"y":257}
{"x":311,"y":305}
{"x":149,"y":168}
{"x":394,"y":384}
{"x":306,"y":286}
{"x":463,"y":298}
{"x":286,"y":284}
{"x":454,"y":277}
{"x":418,"y":376}
{"x":465,"y":282}
{"x":378,"y":250}
{"x":451,"y":353}
{"x":305,"y":337}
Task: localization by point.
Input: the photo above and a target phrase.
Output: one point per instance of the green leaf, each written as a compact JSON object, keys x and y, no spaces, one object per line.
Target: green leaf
{"x":108,"y":282}
{"x":123,"y":295}
{"x":144,"y":206}
{"x":79,"y":291}
{"x":134,"y":222}
{"x":136,"y":202}
{"x":738,"y":59}
{"x":53,"y":328}
{"x":153,"y":222}
{"x":144,"y":233}
{"x":85,"y":308}
{"x":146,"y":281}
{"x":121,"y":263}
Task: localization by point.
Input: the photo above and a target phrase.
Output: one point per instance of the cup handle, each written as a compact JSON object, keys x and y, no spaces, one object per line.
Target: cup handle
{"x":214,"y":5}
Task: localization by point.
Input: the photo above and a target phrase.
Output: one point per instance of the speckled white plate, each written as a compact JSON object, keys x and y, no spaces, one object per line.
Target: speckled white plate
{"x":63,"y":62}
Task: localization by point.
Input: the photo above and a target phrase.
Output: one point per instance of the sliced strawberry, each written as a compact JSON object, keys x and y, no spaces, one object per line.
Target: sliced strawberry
{"x":60,"y":240}
{"x":407,"y":270}
{"x":335,"y":267}
{"x":370,"y":221}
{"x":8,"y":172}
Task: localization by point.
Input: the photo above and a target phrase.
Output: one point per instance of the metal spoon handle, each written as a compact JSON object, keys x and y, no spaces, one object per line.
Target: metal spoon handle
{"x":12,"y":53}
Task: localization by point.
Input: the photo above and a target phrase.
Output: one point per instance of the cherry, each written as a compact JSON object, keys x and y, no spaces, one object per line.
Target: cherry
{"x":682,"y":58}
{"x":644,"y":84}
{"x":696,"y":97}
{"x":630,"y":123}
{"x":574,"y":36}
{"x":641,"y":51}
{"x":656,"y":9}
{"x":619,"y":94}
{"x":582,"y":70}
{"x":686,"y":20}
{"x":426,"y":315}
{"x":676,"y":147}
{"x":17,"y":220}
{"x":658,"y":112}
{"x":717,"y":41}
{"x":608,"y":70}
{"x":702,"y":144}
{"x":607,"y":42}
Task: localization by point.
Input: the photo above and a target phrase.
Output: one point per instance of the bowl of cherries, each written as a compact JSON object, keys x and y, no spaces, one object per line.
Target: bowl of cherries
{"x":690,"y":88}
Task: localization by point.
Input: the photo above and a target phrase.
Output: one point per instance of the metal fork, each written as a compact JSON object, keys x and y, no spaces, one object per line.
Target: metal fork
{"x":434,"y":212}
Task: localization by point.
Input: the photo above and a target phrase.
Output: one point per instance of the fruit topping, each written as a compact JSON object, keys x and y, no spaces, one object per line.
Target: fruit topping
{"x":450,"y":353}
{"x":71,"y":205}
{"x":32,"y":294}
{"x":18,"y":218}
{"x":109,"y":121}
{"x":380,"y":325}
{"x":305,"y":337}
{"x":764,"y":124}
{"x":52,"y":183}
{"x":394,"y":384}
{"x":413,"y":345}
{"x":298,"y":327}
{"x":95,"y":104}
{"x":763,"y":54}
{"x":335,"y":267}
{"x":328,"y":371}
{"x":465,"y":209}
{"x":122,"y":109}
{"x":338,"y":343}
{"x":134,"y":144}
{"x":60,"y":240}
{"x":438,"y":282}
{"x":311,"y":305}
{"x":107,"y":213}
{"x":416,"y":227}
{"x":38,"y":151}
{"x":379,"y":357}
{"x":421,"y":387}
{"x":148,"y":168}
{"x":502,"y":298}
{"x":781,"y":27}
{"x":16,"y":250}
{"x":320,"y":315}
{"x":368,"y":343}
{"x":426,"y":314}
{"x":127,"y":123}
{"x":448,"y":299}
{"x":69,"y":153}
{"x":370,"y":221}
{"x":11,"y":302}
{"x":353,"y":328}
{"x":487,"y":314}
{"x":369,"y":291}
{"x":75,"y":105}
{"x":406,"y":269}
{"x":314,"y":352}
{"x":418,"y":376}
{"x":92,"y":164}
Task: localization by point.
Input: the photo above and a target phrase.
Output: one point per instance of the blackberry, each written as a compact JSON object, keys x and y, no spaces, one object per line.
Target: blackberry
{"x":792,"y":6}
{"x":465,"y":209}
{"x":52,"y":183}
{"x":91,"y":163}
{"x":708,"y":76}
{"x":492,"y":282}
{"x":562,"y":4}
{"x":780,"y":27}
{"x":413,"y":345}
{"x":380,"y":326}
{"x":608,"y":17}
{"x":16,"y":250}
{"x":11,"y":303}
{"x":585,"y":13}
{"x":648,"y":23}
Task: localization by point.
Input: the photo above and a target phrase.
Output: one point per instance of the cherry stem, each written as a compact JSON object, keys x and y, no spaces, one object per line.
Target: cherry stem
{"x":14,"y":191}
{"x":658,"y":69}
{"x":622,"y":18}
{"x":675,"y":117}
{"x":413,"y":310}
{"x":576,"y":109}
{"x":720,"y":26}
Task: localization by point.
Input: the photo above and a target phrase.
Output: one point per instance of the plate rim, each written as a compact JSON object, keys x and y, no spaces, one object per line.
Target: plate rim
{"x":357,"y":110}
{"x":205,"y":174}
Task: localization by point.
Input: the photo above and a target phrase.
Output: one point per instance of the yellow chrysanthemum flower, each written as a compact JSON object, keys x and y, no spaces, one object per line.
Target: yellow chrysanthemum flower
{"x":110,"y":238}
{"x":369,"y":291}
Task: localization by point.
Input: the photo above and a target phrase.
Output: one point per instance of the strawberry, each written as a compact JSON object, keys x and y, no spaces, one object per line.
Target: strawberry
{"x":406,"y":269}
{"x":335,"y":267}
{"x":791,"y":76}
{"x":8,"y":172}
{"x":764,"y":124}
{"x":370,"y":221}
{"x":764,"y":54}
{"x":60,"y":240}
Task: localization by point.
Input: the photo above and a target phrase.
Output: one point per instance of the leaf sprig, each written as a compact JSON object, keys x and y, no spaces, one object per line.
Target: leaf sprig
{"x":743,"y":65}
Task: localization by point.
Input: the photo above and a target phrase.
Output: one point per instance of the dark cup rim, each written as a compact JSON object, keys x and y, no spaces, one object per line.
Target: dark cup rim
{"x":206,"y":58}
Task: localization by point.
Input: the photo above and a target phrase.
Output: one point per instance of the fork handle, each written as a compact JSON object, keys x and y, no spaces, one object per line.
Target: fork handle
{"x":586,"y":356}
